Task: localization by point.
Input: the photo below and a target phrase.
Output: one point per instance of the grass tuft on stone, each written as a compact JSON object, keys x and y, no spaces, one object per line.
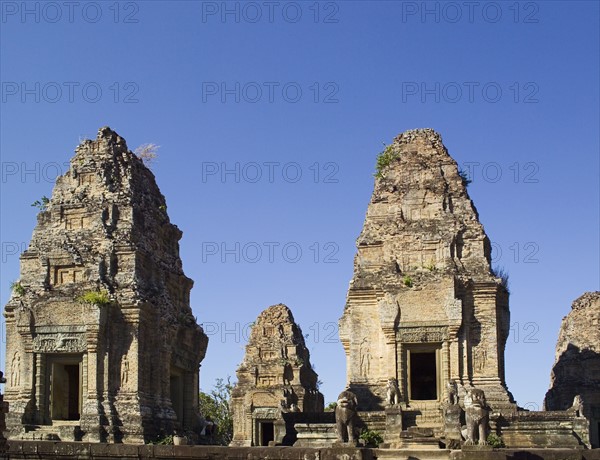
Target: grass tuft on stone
{"x":384,"y":159}
{"x":98,"y":298}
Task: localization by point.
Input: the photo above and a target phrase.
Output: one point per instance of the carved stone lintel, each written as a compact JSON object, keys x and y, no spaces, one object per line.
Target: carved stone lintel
{"x":427,"y":334}
{"x":266,"y":413}
{"x":59,"y":342}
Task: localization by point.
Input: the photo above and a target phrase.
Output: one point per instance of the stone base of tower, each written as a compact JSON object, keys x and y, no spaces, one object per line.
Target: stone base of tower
{"x":114,"y":420}
{"x":22,"y":417}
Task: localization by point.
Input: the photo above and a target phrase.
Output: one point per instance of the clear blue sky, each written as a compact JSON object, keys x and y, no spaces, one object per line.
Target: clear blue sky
{"x":278,"y":89}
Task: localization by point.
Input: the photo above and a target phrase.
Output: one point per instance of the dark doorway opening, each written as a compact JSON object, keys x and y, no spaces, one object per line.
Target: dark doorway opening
{"x":65,"y":391}
{"x":267,"y":433}
{"x":72,"y":371}
{"x":176,"y":382}
{"x":423,"y":376}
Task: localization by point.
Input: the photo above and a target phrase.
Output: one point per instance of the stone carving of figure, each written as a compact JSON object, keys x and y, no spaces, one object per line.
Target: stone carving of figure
{"x":480,"y":355}
{"x":452,"y":392}
{"x":452,"y":414}
{"x":283,"y":405}
{"x":389,"y":309}
{"x":15,"y":374}
{"x":577,"y":406}
{"x":393,"y":392}
{"x":345,"y":416}
{"x":124,"y":371}
{"x":365,"y":359}
{"x":477,"y":417}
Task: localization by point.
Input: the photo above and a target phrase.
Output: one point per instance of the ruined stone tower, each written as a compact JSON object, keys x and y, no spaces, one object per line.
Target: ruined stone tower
{"x":275,"y":377}
{"x":101,"y":341}
{"x":576,"y":369}
{"x":424,"y":305}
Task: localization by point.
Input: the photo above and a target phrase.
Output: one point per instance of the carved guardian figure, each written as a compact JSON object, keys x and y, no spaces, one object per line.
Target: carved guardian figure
{"x":452,"y":413}
{"x":577,"y":406}
{"x":345,"y":416}
{"x":477,"y":417}
{"x":452,"y":389}
{"x":393,"y":392}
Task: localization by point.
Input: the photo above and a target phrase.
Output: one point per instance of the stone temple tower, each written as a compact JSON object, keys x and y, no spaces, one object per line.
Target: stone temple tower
{"x":424,"y":305}
{"x":275,"y":378}
{"x":101,"y":341}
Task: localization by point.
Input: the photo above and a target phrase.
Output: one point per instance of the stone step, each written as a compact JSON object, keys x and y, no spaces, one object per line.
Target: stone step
{"x":315,"y":434}
{"x":416,"y":431}
{"x":428,"y":420}
{"x":420,"y":443}
{"x":40,"y":433}
{"x":56,"y":432}
{"x":414,"y":444}
{"x":407,"y":454}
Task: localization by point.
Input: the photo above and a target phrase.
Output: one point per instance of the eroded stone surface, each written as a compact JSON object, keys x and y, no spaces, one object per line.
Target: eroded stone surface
{"x":127,"y":369}
{"x":275,"y":377}
{"x":576,"y":369}
{"x":423,"y":292}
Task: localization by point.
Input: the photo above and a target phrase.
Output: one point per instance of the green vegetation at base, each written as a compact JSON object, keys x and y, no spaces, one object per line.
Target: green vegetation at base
{"x":214,"y":407}
{"x":371,"y":438}
{"x":495,"y":441}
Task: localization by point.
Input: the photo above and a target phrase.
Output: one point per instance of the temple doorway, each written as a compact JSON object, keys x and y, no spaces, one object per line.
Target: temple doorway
{"x":267,"y":433}
{"x":423,"y":374}
{"x":65,"y":388}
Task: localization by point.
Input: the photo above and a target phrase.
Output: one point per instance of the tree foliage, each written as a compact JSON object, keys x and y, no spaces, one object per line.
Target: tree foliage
{"x":464,"y":175}
{"x":17,"y":288}
{"x":147,"y":153}
{"x":384,"y":159}
{"x":42,"y":203}
{"x":214,"y":407}
{"x":502,"y":273}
